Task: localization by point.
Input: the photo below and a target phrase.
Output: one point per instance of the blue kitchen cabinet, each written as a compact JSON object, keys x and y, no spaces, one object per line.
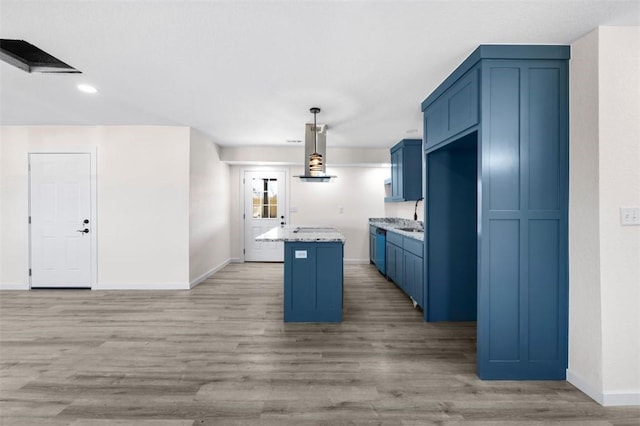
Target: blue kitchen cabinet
{"x":413,"y":277}
{"x":405,"y":265}
{"x":313,"y":281}
{"x":395,"y":258}
{"x":453,"y":112}
{"x":372,"y":244}
{"x":413,"y":269}
{"x":406,"y":171}
{"x":496,"y":207}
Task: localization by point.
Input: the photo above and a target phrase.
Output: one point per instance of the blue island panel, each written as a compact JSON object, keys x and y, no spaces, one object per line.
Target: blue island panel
{"x":313,"y":281}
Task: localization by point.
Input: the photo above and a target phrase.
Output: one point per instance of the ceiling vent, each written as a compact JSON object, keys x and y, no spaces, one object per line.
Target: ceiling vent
{"x":27,"y":57}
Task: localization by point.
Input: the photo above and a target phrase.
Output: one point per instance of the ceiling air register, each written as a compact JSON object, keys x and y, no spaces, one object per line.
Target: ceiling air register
{"x":315,"y":145}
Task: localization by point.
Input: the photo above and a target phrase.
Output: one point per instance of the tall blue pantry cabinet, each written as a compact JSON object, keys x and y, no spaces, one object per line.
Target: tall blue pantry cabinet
{"x":496,"y":190}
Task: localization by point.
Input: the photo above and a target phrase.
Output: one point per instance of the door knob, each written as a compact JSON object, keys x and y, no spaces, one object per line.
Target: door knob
{"x":84,"y":231}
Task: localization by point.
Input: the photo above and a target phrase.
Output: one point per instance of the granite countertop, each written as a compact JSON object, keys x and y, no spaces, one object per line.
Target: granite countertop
{"x":302,"y":233}
{"x":394,"y":224}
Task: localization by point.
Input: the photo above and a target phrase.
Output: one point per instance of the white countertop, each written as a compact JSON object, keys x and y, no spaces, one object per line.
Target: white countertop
{"x":302,"y":233}
{"x":396,"y":225}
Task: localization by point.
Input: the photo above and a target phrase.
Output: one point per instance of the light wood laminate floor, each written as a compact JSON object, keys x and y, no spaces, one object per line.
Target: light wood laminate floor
{"x":220,"y":354}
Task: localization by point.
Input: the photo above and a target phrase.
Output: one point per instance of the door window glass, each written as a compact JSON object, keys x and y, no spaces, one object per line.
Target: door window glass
{"x":265,"y":198}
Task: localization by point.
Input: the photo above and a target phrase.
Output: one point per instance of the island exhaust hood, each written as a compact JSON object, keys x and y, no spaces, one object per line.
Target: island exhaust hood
{"x":315,"y":148}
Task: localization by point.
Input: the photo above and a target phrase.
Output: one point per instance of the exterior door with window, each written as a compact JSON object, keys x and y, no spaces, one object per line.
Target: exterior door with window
{"x":265,"y":194}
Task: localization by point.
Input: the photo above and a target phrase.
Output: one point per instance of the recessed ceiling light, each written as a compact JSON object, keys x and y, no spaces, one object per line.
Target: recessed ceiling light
{"x":87,"y":88}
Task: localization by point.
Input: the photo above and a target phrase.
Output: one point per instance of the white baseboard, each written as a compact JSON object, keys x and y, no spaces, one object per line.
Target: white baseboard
{"x":207,"y":274}
{"x":616,"y":399}
{"x":142,"y":286}
{"x":14,"y":286}
{"x":356,"y":261}
{"x":236,"y":260}
{"x":607,"y":399}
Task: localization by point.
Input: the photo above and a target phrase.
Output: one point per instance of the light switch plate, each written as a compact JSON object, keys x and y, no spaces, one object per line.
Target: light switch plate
{"x":630,"y":215}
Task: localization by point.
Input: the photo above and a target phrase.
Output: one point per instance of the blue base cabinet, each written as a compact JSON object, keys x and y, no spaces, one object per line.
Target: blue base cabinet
{"x":372,"y":244}
{"x":395,"y":258}
{"x":498,"y":127}
{"x":405,"y":265}
{"x":413,"y":268}
{"x":313,"y":281}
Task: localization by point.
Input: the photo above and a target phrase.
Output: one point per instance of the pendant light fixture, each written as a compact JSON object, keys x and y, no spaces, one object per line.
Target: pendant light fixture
{"x":315,"y":159}
{"x":315,"y":145}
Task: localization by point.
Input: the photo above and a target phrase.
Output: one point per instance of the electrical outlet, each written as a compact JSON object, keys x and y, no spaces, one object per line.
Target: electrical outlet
{"x":293,"y":209}
{"x":341,"y":210}
{"x":629,"y":215}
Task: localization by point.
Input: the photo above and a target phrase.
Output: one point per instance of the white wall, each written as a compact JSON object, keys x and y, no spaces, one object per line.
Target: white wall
{"x":604,"y":257}
{"x":404,"y":210}
{"x":209,"y":209}
{"x":585,"y":331}
{"x":619,"y":149}
{"x":15,"y":144}
{"x":359,"y":191}
{"x":142,"y":201}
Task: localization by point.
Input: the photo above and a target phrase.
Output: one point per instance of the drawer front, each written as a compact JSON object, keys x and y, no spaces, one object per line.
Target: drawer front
{"x":394,"y":238}
{"x":413,"y":246}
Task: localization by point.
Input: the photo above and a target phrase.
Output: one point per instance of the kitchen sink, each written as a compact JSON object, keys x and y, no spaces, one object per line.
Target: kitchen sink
{"x":411,"y":229}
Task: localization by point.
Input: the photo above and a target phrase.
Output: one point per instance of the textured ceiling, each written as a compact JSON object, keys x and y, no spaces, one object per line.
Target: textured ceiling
{"x":247,"y":72}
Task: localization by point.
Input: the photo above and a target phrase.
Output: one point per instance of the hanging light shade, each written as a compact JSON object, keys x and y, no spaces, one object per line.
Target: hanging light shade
{"x":315,"y":159}
{"x":315,"y":164}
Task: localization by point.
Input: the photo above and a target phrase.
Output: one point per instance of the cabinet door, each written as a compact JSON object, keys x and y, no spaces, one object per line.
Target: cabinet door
{"x":454,"y":112}
{"x":413,"y":276}
{"x":408,"y":273}
{"x":436,"y":122}
{"x":396,"y":174}
{"x":399,"y":255}
{"x":463,"y":104}
{"x":391,"y":262}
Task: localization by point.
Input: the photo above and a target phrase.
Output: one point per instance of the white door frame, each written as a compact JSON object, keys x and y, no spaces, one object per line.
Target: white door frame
{"x":93,"y":152}
{"x":242,"y":216}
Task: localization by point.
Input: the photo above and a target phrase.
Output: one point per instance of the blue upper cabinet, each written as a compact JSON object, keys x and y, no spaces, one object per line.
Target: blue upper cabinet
{"x":406,"y":171}
{"x":453,"y":112}
{"x":496,"y":208}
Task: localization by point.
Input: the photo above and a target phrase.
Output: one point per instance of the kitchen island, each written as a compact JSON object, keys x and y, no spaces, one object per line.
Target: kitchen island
{"x":313,"y":272}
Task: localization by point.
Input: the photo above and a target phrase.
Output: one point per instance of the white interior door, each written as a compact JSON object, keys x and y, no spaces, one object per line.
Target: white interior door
{"x":60,"y":214}
{"x":264,"y":209}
